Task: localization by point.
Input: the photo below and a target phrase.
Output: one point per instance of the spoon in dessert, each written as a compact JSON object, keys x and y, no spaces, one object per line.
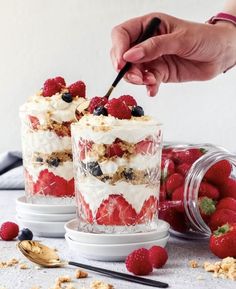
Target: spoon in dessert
{"x":149,"y":31}
{"x":44,"y":256}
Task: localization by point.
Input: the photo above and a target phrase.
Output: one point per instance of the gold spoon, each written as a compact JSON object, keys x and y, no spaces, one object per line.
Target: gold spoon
{"x":44,"y":256}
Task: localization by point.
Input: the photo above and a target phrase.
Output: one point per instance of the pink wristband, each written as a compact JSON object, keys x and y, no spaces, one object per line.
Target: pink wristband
{"x":224,"y":17}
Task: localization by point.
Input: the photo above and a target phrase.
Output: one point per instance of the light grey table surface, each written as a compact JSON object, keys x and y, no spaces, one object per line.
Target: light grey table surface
{"x":176,"y":272}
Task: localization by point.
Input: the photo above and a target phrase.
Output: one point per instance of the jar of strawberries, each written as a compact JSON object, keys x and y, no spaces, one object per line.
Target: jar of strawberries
{"x":198,"y":188}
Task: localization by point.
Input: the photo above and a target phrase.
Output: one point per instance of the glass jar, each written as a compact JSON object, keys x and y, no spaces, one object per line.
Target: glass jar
{"x":197,"y":184}
{"x":117,"y":176}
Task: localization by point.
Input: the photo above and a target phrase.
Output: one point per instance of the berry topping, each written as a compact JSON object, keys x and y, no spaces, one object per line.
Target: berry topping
{"x":138,"y":262}
{"x":60,"y":80}
{"x":115,"y":211}
{"x":51,"y":87}
{"x":9,"y":231}
{"x":67,"y":97}
{"x":118,"y":108}
{"x":54,"y":162}
{"x":137,"y":111}
{"x":128,"y":100}
{"x":34,"y":122}
{"x":158,"y":256}
{"x":95,"y":102}
{"x":25,"y":234}
{"x":77,"y":89}
{"x":100,"y":110}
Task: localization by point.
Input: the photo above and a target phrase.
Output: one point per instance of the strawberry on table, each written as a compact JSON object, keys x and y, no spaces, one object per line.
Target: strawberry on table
{"x":223,"y":241}
{"x":208,"y":190}
{"x":228,"y":189}
{"x":227,"y":203}
{"x":116,"y":211}
{"x":138,"y":262}
{"x":221,"y":217}
{"x":219,"y":172}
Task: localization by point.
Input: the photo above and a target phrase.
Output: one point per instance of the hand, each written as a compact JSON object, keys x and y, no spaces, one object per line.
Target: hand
{"x":184,"y":51}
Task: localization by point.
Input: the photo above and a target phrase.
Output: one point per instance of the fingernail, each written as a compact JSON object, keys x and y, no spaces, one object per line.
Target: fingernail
{"x":134,"y":78}
{"x":134,"y":54}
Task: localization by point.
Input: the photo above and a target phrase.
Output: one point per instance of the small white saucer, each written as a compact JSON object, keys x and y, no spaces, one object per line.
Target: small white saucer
{"x":22,"y":205}
{"x":43,"y":229}
{"x":71,"y":228}
{"x":113,"y":252}
{"x":45,"y":217}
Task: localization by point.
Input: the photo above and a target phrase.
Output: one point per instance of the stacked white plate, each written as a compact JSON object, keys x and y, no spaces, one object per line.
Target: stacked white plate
{"x":44,"y":220}
{"x":113,"y":247}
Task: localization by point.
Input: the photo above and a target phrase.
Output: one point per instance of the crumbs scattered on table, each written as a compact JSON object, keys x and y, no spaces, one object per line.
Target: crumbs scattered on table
{"x":23,"y":266}
{"x":80,"y":274}
{"x":100,"y":285}
{"x":225,"y":269}
{"x":193,"y":264}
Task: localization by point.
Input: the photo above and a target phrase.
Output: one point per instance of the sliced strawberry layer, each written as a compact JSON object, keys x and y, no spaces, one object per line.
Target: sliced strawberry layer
{"x":145,"y":147}
{"x":148,"y":211}
{"x":83,"y":208}
{"x":34,"y":122}
{"x":84,"y":147}
{"x":50,"y":185}
{"x":116,"y":211}
{"x":29,"y":184}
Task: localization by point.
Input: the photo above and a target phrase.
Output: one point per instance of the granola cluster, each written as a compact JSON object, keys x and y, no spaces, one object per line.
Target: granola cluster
{"x":226,"y":268}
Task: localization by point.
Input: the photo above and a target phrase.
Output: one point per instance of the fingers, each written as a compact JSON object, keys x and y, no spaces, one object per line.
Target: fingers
{"x":154,"y":47}
{"x":123,"y":36}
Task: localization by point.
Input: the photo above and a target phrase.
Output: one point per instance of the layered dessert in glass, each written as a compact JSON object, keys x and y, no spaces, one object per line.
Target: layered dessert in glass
{"x":46,"y":141}
{"x":117,"y":154}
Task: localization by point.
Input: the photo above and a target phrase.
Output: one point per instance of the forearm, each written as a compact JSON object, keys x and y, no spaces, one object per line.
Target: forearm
{"x":230,"y":7}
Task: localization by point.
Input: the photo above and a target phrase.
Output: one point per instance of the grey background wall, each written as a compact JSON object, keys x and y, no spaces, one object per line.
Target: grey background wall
{"x":46,"y":38}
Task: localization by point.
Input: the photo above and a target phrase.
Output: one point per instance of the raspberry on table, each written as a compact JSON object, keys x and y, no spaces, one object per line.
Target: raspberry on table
{"x":138,"y":262}
{"x":9,"y":231}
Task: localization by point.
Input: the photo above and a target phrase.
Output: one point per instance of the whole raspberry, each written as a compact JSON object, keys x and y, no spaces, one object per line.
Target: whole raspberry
{"x":9,"y":231}
{"x":95,"y":102}
{"x":118,"y":108}
{"x":51,"y":87}
{"x":60,"y":80}
{"x":138,"y":262}
{"x":128,"y":100}
{"x":158,"y":256}
{"x":77,"y":89}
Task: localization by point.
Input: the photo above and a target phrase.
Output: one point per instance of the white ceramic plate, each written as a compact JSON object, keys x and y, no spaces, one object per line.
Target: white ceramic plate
{"x":45,"y":217}
{"x":43,"y":229}
{"x":83,"y":237}
{"x":114,"y":252}
{"x":43,"y":209}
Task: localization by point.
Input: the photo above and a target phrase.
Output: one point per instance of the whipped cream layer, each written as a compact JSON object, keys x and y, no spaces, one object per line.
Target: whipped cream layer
{"x":105,"y":129}
{"x":138,"y":162}
{"x":44,"y":141}
{"x":95,"y":192}
{"x":64,"y":170}
{"x":54,"y":107}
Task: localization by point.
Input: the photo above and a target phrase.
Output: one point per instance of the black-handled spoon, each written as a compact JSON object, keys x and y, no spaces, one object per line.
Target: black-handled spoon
{"x":123,"y":276}
{"x":149,"y":31}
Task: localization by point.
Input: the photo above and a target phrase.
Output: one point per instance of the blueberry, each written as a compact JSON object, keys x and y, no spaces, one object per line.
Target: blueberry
{"x":137,"y":111}
{"x":39,"y":160}
{"x":25,"y":234}
{"x":94,"y":169}
{"x":100,"y":110}
{"x":67,"y":97}
{"x":53,"y":162}
{"x":129,"y":174}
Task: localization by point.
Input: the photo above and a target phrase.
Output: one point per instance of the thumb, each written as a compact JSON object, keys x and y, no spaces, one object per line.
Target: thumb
{"x":153,"y":48}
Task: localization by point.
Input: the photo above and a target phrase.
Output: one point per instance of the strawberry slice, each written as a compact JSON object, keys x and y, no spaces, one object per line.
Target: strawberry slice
{"x":114,"y":150}
{"x":84,"y":147}
{"x":145,"y":147}
{"x":116,"y":211}
{"x":84,"y":210}
{"x":148,"y":211}
{"x":50,"y":185}
{"x":34,"y":122}
{"x":29,"y":184}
